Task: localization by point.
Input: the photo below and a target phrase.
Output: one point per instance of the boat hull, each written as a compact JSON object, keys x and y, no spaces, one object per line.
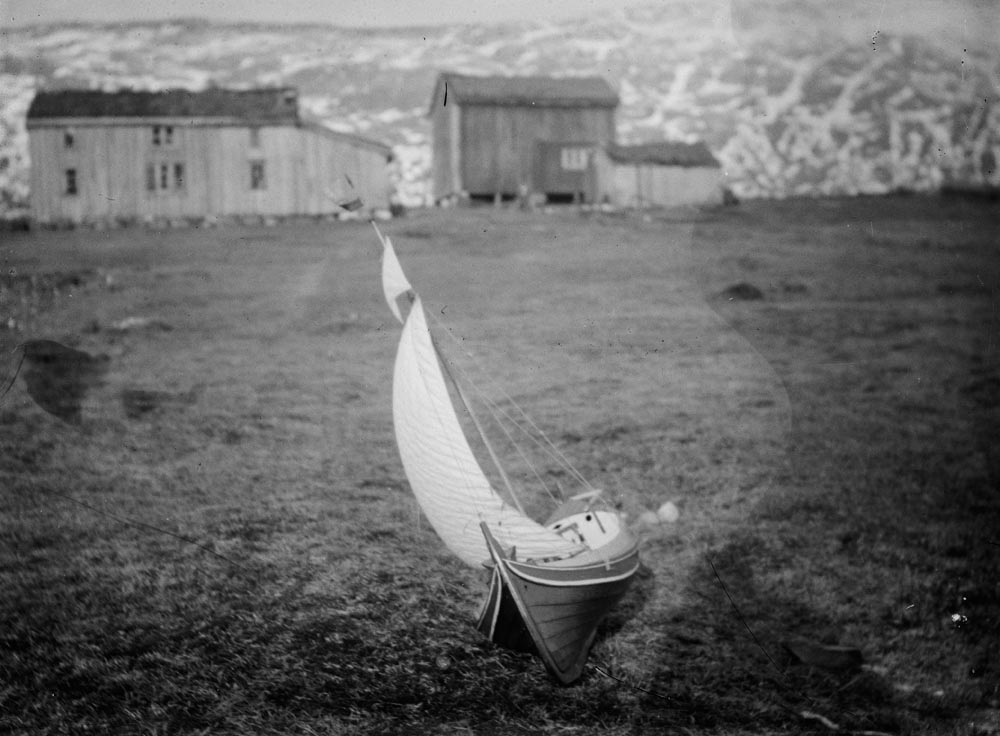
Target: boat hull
{"x":552,"y":611}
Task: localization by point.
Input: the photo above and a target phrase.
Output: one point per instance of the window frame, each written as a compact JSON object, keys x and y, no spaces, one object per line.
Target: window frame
{"x":258,"y":175}
{"x":163,"y":135}
{"x":165,"y":177}
{"x":574,"y":158}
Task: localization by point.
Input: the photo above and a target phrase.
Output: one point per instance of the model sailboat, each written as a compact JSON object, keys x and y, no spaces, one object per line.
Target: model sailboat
{"x":552,"y":582}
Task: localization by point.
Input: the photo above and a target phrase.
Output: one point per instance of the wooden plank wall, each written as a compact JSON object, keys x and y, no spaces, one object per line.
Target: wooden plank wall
{"x":330,"y":170}
{"x":565,"y":168}
{"x":445,"y":149}
{"x":499,"y":142}
{"x":304,"y":169}
{"x":107,"y":162}
{"x":649,"y":185}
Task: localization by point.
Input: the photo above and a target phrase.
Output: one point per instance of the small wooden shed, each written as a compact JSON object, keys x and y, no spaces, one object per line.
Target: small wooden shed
{"x":503,"y":136}
{"x":182,"y":154}
{"x":663,"y":174}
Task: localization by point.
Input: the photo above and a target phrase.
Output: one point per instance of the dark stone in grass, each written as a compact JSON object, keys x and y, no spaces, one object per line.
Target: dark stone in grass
{"x":137,"y":401}
{"x":742,"y":292}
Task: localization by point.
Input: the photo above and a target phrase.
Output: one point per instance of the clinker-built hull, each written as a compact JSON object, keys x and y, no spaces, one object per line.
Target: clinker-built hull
{"x":553,"y":611}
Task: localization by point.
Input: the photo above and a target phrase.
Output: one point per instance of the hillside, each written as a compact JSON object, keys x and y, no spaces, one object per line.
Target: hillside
{"x":787,"y":107}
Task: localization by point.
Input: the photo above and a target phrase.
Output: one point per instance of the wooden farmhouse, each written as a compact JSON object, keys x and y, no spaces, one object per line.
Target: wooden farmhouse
{"x":504,"y":136}
{"x":665,"y":174}
{"x":179,"y":154}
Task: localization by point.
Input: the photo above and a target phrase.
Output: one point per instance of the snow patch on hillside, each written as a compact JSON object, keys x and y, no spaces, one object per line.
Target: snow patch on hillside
{"x":16,"y":93}
{"x":815,"y":116}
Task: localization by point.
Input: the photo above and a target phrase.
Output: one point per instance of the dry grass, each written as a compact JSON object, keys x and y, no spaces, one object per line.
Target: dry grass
{"x":829,"y":446}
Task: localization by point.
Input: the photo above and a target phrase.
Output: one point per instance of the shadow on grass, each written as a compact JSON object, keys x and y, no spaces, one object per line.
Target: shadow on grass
{"x":722,"y":665}
{"x":639,"y":594}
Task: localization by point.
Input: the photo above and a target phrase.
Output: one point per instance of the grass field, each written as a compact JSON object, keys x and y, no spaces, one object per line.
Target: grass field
{"x":226,"y":542}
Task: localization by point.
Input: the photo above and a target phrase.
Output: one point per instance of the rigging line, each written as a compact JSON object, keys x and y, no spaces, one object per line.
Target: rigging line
{"x":495,"y":412}
{"x":479,"y":428}
{"x":387,"y":248}
{"x":781,"y":686}
{"x":539,"y":438}
{"x":641,"y":689}
{"x":498,"y":413}
{"x":542,"y":442}
{"x":783,"y":706}
{"x":381,"y":237}
{"x":17,"y":370}
{"x":655,"y":694}
{"x":520,"y":451}
{"x":550,"y":446}
{"x":144,"y":525}
{"x":739,"y":614}
{"x":439,"y":413}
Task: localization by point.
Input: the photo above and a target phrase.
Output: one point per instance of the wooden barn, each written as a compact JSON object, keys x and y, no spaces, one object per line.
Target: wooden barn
{"x":504,"y":136}
{"x":663,"y":174}
{"x":126,"y":155}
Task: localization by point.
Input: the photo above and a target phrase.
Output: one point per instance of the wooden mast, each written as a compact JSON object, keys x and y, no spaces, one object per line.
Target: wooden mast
{"x":479,"y":428}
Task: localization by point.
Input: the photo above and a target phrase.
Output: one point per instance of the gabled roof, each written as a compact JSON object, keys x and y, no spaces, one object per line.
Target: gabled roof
{"x":665,"y":153}
{"x":530,"y":91}
{"x":358,"y":141}
{"x":269,"y":105}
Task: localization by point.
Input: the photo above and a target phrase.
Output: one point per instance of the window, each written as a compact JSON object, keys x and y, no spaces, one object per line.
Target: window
{"x":68,"y":139}
{"x":163,"y":135}
{"x":254,"y":137}
{"x":257,"y":180}
{"x":71,"y":182}
{"x":574,"y":159}
{"x":158,"y":176}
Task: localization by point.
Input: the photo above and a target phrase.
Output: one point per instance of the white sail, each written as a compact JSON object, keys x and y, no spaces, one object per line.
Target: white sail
{"x":394,"y":282}
{"x":445,"y":477}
